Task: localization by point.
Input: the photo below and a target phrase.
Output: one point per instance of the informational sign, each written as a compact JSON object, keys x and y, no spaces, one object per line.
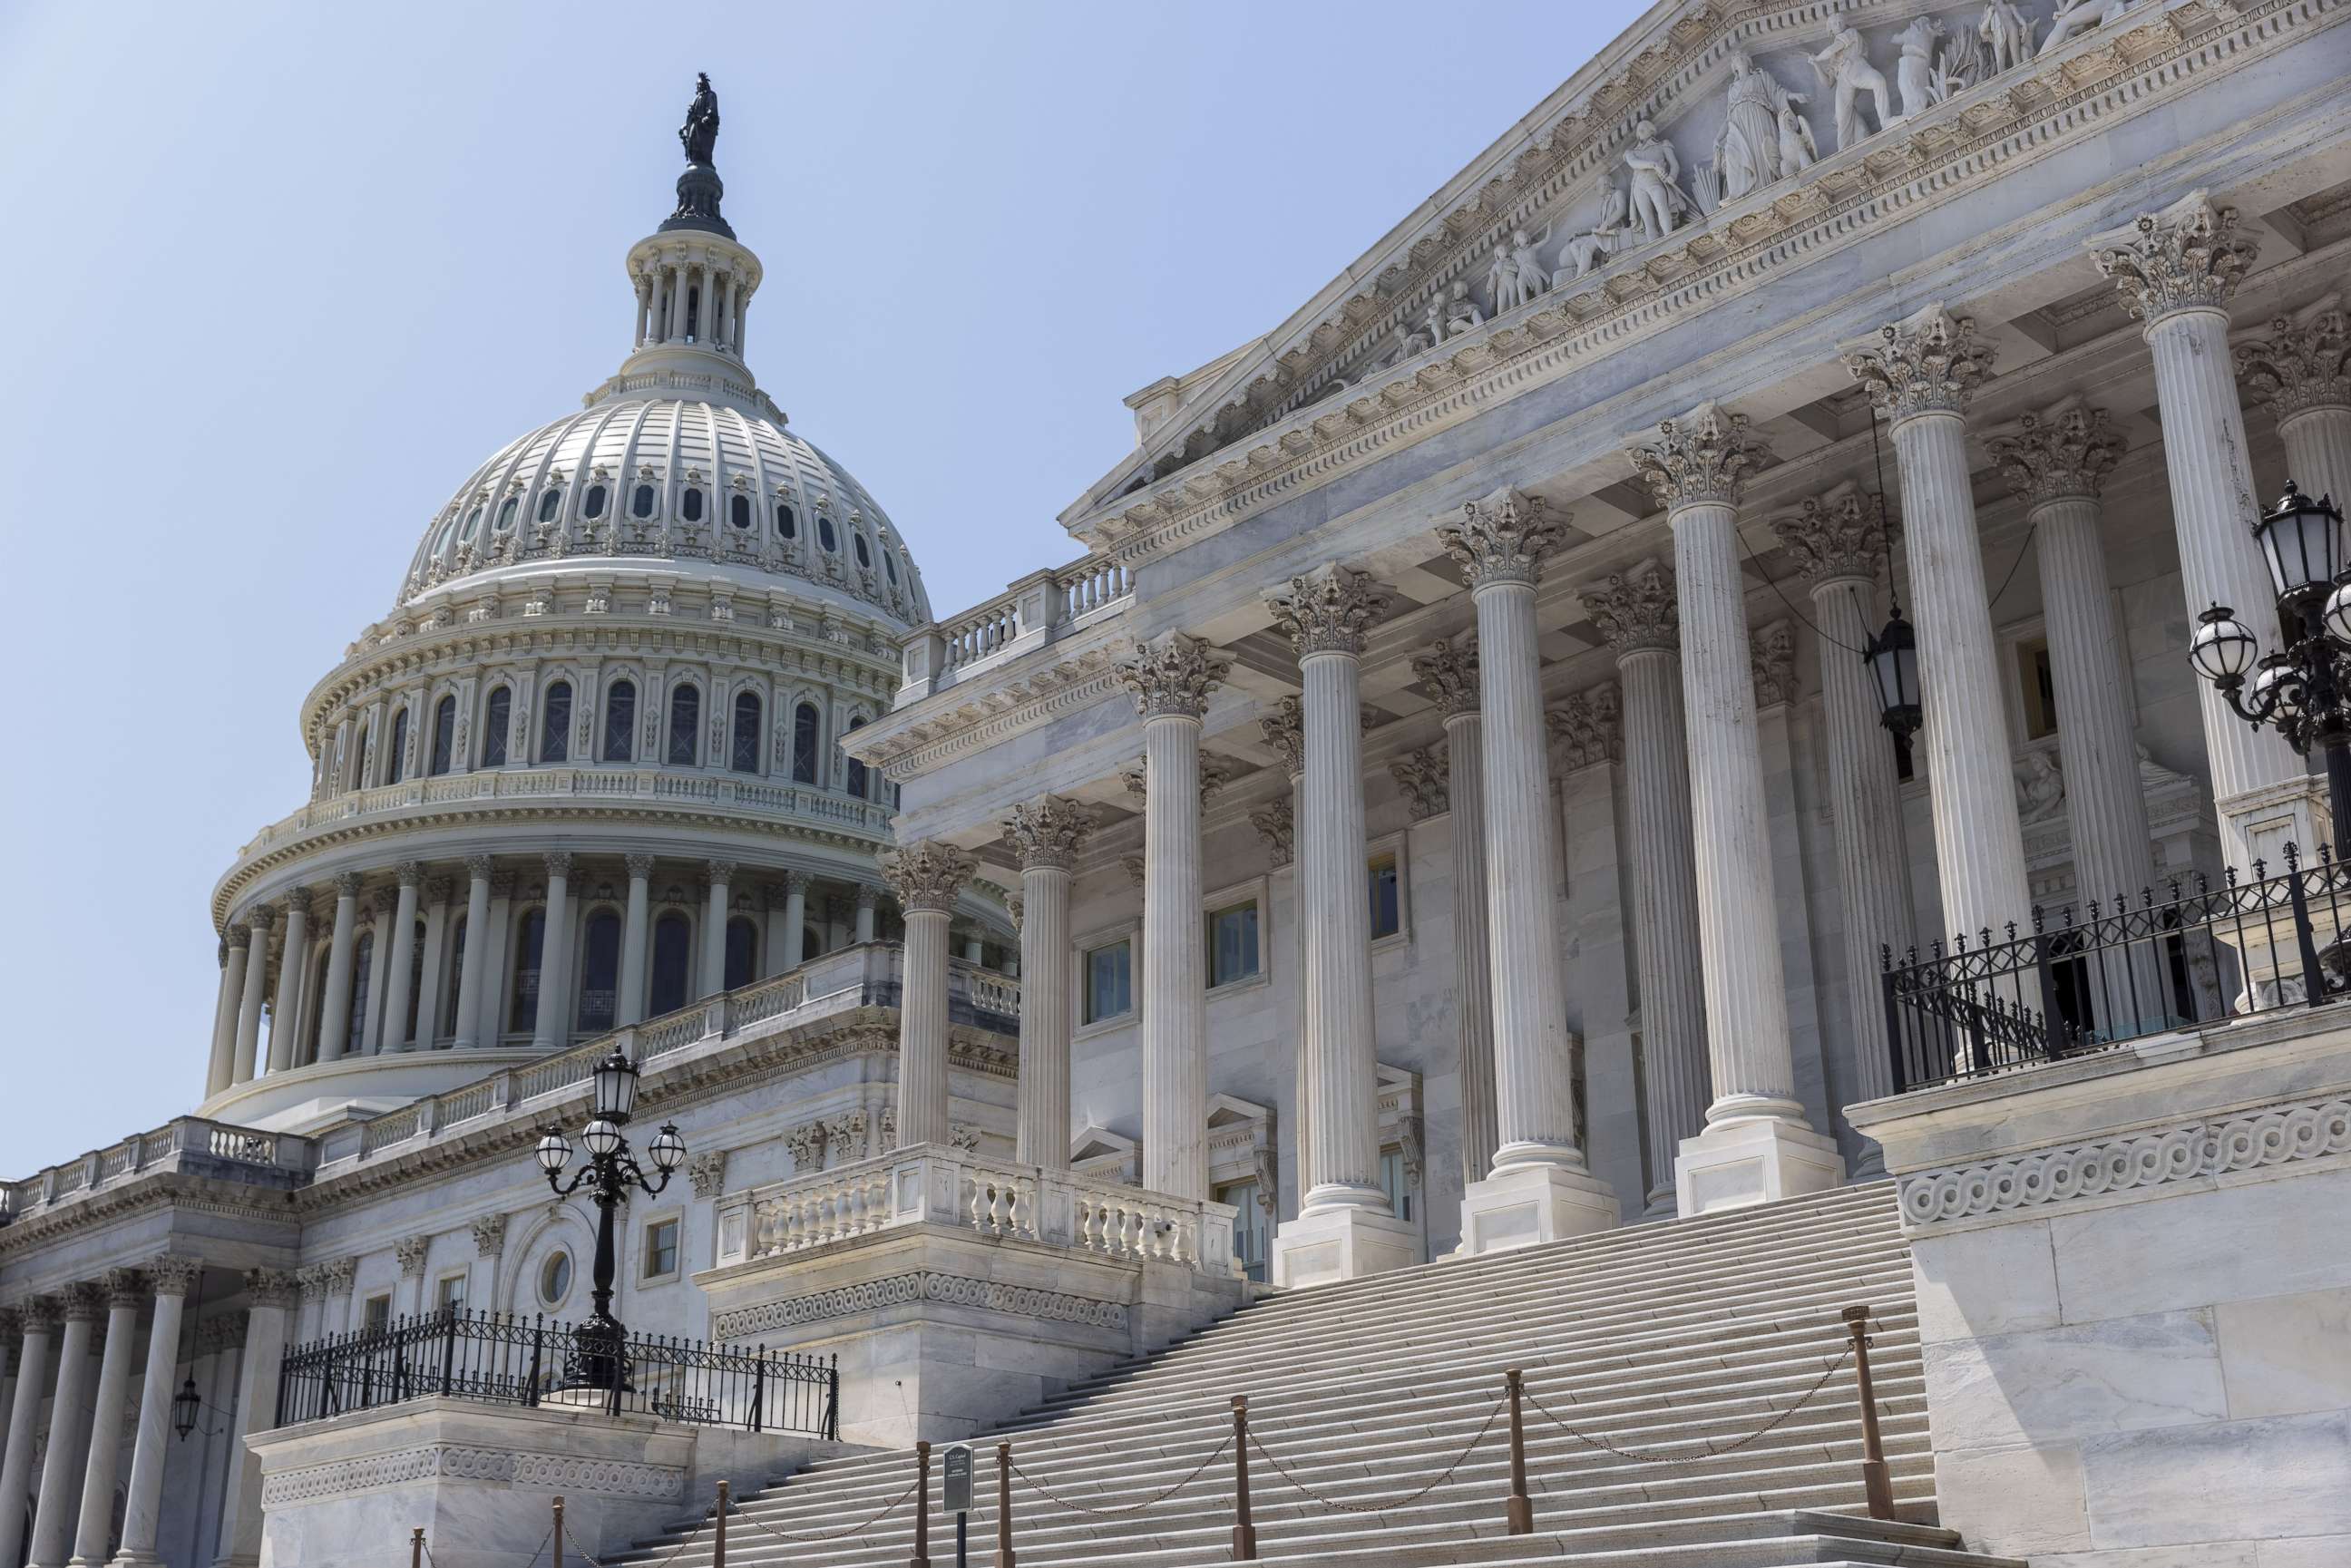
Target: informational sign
{"x":957,"y":1477}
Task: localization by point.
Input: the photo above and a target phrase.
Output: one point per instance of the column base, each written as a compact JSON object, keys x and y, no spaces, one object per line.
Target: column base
{"x":1755,"y":1161}
{"x":136,"y":1560}
{"x":1526,"y":1206}
{"x":1342,"y":1244}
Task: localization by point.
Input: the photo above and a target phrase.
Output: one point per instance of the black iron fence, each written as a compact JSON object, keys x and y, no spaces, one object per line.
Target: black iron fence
{"x":2083,"y":979}
{"x":500,"y":1358}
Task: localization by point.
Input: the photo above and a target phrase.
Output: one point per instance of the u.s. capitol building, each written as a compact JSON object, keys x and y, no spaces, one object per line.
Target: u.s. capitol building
{"x":1628,"y":778}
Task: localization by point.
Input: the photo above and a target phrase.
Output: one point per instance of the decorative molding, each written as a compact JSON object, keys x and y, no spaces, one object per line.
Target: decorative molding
{"x":2061,"y":454}
{"x":1502,"y":538}
{"x":567,"y":1473}
{"x":1589,"y":728}
{"x":1328,"y":610}
{"x":1050,"y":832}
{"x":1701,"y":459}
{"x":1837,"y":536}
{"x":1635,"y":610}
{"x":1927,"y":363}
{"x":2187,"y":256}
{"x":1424,"y":777}
{"x":919,"y":1285}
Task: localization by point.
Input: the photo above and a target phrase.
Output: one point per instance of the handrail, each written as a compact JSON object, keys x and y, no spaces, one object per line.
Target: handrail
{"x":182,"y":1141}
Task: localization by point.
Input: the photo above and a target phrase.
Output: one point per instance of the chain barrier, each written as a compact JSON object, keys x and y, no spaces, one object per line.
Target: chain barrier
{"x":590,"y":1558}
{"x":1033,"y":1485}
{"x":793,"y":1538}
{"x":1383,"y":1505}
{"x":1707,"y":1451}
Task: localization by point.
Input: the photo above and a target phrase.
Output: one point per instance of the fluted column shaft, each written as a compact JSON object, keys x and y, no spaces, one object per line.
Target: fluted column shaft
{"x":1341,"y":1044}
{"x":1044,"y":1128}
{"x":473,"y":962}
{"x":923,"y":1040}
{"x":104,"y":1456}
{"x":284,"y":1031}
{"x":24,"y":1414}
{"x":142,"y":1508}
{"x":403,"y":958}
{"x":636,"y":934}
{"x":713,"y":927}
{"x":1465,"y":759}
{"x":335,"y":1011}
{"x":548,"y":1030}
{"x":1175,"y":962}
{"x":1665,"y":939}
{"x":221,"y":1071}
{"x":60,"y":1505}
{"x":2318,"y":451}
{"x":256,"y":988}
{"x":257,"y":1411}
{"x":795,"y":921}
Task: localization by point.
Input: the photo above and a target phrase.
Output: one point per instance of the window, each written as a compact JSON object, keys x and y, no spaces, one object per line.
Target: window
{"x":376,"y":1315}
{"x":642,"y":504}
{"x":804,"y":727}
{"x":524,"y":1015}
{"x":786,"y":524}
{"x":673,"y":944}
{"x":742,"y":952}
{"x":416,"y":988}
{"x":398,"y":758}
{"x":824,"y":534}
{"x":890,"y":564}
{"x":473,"y":522}
{"x":444,"y":737}
{"x":1396,"y":1183}
{"x":2039,"y":691}
{"x":555,"y":724}
{"x":692,"y":505}
{"x":1249,"y":1232}
{"x":694,"y":307}
{"x":1232,"y":944}
{"x":684,"y":724}
{"x":449,"y":1294}
{"x":1388,"y":915}
{"x":1110,"y":984}
{"x":594,"y":504}
{"x":855,"y":781}
{"x":660,"y":1249}
{"x":506,"y":510}
{"x":600,"y":971}
{"x":551,"y":501}
{"x":865,"y":552}
{"x":746,"y":754}
{"x":620,"y":721}
{"x":555,"y":1279}
{"x":457,"y":969}
{"x":363,"y":973}
{"x":739,"y":511}
{"x":496,"y":716}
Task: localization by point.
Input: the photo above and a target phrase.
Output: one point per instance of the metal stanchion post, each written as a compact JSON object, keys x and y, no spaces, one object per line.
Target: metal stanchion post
{"x":1004,"y":1505}
{"x":556,"y":1535}
{"x":718,"y":1538}
{"x":1521,"y":1510}
{"x":416,"y":1549}
{"x":1244,"y":1531}
{"x":1875,"y":1482}
{"x":922,"y":1557}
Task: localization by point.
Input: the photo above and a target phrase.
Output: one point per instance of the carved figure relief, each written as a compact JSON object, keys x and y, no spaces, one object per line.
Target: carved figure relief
{"x":1917,"y":73}
{"x":2005,"y":37}
{"x":1843,"y":68}
{"x":1749,"y":153}
{"x":1516,"y":275}
{"x":2076,"y":17}
{"x":1655,"y":194}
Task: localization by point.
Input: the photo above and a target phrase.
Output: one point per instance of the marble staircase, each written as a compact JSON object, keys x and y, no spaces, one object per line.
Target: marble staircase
{"x":1674,"y":1342}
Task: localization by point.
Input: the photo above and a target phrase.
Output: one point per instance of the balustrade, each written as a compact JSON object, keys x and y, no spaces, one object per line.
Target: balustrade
{"x":1092,"y":584}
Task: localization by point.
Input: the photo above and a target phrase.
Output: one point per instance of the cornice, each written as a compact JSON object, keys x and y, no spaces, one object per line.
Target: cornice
{"x":1082,"y":674}
{"x":190,"y":1192}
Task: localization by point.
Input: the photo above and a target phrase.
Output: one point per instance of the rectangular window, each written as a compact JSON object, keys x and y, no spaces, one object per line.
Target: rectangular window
{"x":1109,"y":983}
{"x":660,"y":1249}
{"x":377,"y":1313}
{"x":1394,"y":1182}
{"x":451,"y":1292}
{"x":1232,"y":944}
{"x":1251,"y":1235}
{"x":1386,"y":913}
{"x":2040,"y":688}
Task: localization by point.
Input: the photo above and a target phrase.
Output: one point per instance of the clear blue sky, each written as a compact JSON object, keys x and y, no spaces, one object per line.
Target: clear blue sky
{"x":276,"y":278}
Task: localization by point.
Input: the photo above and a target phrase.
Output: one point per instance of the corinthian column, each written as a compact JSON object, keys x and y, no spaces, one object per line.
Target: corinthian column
{"x":335,"y":1014}
{"x":1539,"y":1190}
{"x":125,"y":1293}
{"x":1449,"y":674}
{"x":1757,"y":1144}
{"x":473,"y":960}
{"x":1171,"y":679}
{"x":39,"y":1316}
{"x":60,"y":1505}
{"x":256,"y":986}
{"x":237,"y":946}
{"x":283,"y":1028}
{"x":272,"y":1292}
{"x":1050,"y":833}
{"x":1285,"y":731}
{"x":1636,"y":612}
{"x":2176,"y":270}
{"x":550,"y":1027}
{"x":1922,"y":373}
{"x":2302,"y":371}
{"x":142,"y":1504}
{"x":925,"y":877}
{"x":1839,"y":544}
{"x":399,"y":978}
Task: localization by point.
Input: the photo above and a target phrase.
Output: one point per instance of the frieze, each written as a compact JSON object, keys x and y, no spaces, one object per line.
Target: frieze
{"x":919,"y":1285}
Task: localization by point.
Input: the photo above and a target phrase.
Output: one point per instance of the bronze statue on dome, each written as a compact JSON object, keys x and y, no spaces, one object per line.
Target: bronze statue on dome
{"x":699,"y":134}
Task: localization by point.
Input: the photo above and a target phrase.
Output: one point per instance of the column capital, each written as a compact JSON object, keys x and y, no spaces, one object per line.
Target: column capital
{"x":638,"y":866}
{"x":797,"y":881}
{"x":707,"y":1169}
{"x":1425,"y":778}
{"x":222,"y":1331}
{"x":868,"y":897}
{"x":720,"y":871}
{"x":1837,"y":536}
{"x":478,"y":867}
{"x":558,"y":863}
{"x":1328,"y":612}
{"x":410,"y":1250}
{"x":2303,"y":363}
{"x":272,"y":1287}
{"x":1216,"y":772}
{"x":80,"y":1303}
{"x":1636,"y":610}
{"x":1772,"y":662}
{"x":1503,"y":538}
{"x":2065,"y":452}
{"x":1449,"y":674}
{"x":502,"y":884}
{"x":1050,"y":832}
{"x":2187,"y":257}
{"x":1285,"y":730}
{"x":123,"y":1288}
{"x":925,"y":877}
{"x":41,"y":1314}
{"x":410,"y":874}
{"x":261,"y":917}
{"x":1703,"y":457}
{"x":239,"y":938}
{"x":311,"y":1279}
{"x":1927,"y":363}
{"x":490,"y":1234}
{"x":439,"y":889}
{"x":1171,"y":676}
{"x":1589,"y":728}
{"x":342,"y":1273}
{"x":1276,"y":823}
{"x":347,"y":883}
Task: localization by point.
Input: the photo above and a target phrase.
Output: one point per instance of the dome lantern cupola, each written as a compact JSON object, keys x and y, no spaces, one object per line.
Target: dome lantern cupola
{"x":693,"y":280}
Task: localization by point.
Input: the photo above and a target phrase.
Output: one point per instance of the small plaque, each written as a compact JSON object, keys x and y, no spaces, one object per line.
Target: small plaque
{"x":957,"y":1475}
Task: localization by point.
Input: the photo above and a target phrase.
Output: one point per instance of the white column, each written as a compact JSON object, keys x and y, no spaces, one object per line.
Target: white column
{"x":1539,"y":1190}
{"x":1922,"y":373}
{"x":926,"y":878}
{"x":1284,"y":729}
{"x":437,"y":891}
{"x":125,"y":1293}
{"x":636,"y":939}
{"x":645,"y":306}
{"x":221,"y":1072}
{"x":402,"y":957}
{"x":472,"y":961}
{"x":2177,"y":269}
{"x":554,"y":956}
{"x":257,"y":986}
{"x":60,"y":1506}
{"x":380,"y":907}
{"x":1839,"y":543}
{"x":335,"y":1011}
{"x":715,"y":913}
{"x":142,"y":1508}
{"x":272,"y":1293}
{"x":39,"y":1316}
{"x":491,"y":1029}
{"x":1449,"y":674}
{"x":1051,"y":833}
{"x":869,"y":901}
{"x":786,"y":946}
{"x":1757,"y":1146}
{"x":285,"y":1015}
{"x":1638,"y":612}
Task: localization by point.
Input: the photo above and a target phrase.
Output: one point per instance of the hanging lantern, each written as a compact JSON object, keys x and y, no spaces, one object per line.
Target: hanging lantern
{"x":186,"y":1404}
{"x":1893,"y":660}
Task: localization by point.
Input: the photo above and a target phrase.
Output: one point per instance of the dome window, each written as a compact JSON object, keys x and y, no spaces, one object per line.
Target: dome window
{"x":684,"y":724}
{"x":855,"y":774}
{"x":594,"y":505}
{"x":742,"y":953}
{"x":673,"y":947}
{"x":444,"y":737}
{"x":786,"y":524}
{"x":497,"y":717}
{"x":472,"y":523}
{"x":555,"y":724}
{"x":620,"y":721}
{"x":641,"y":506}
{"x":825,"y":536}
{"x":551,"y":502}
{"x":399,"y":759}
{"x":691,"y":506}
{"x":746,"y":749}
{"x":864,"y":555}
{"x":739,"y":511}
{"x":890,"y":564}
{"x":506,"y":510}
{"x":804,"y":726}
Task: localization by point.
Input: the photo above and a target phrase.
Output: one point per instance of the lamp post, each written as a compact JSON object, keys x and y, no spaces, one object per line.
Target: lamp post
{"x":597,"y":1359}
{"x":2303,"y":688}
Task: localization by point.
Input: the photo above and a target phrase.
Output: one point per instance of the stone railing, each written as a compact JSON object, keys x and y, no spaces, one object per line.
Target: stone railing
{"x":190,"y":1144}
{"x":935,"y":1183}
{"x":1031,"y":612}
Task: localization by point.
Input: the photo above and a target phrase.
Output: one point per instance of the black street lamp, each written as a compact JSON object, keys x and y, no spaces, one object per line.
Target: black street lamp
{"x":1893,"y":659}
{"x":597,"y":1360}
{"x":2304,"y":687}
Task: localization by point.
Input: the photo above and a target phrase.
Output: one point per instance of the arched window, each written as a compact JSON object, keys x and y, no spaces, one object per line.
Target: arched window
{"x":506,"y":510}
{"x":745,"y":751}
{"x":620,"y":721}
{"x":522,"y":1017}
{"x":824,"y":534}
{"x":673,"y":946}
{"x":890,"y":564}
{"x":415,"y":986}
{"x":804,"y":727}
{"x":864,"y":553}
{"x":363,"y":972}
{"x":684,"y":724}
{"x":786,"y":523}
{"x":692,"y":505}
{"x":742,"y":950}
{"x":739,"y":510}
{"x":498,"y":715}
{"x":318,"y":996}
{"x":643,"y":504}
{"x":856,"y":781}
{"x":398,"y":758}
{"x":555,"y":724}
{"x":551,"y":501}
{"x":456,"y":968}
{"x":594,"y":505}
{"x":693,"y":311}
{"x":363,"y":761}
{"x":473,"y":522}
{"x":444,"y":737}
{"x":600,"y":972}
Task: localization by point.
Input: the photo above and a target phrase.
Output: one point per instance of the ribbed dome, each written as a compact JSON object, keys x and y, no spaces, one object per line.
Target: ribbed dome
{"x":634,"y":477}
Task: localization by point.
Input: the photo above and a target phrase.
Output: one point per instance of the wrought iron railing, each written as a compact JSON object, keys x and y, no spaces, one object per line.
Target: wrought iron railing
{"x":2083,"y":980}
{"x":500,"y":1358}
